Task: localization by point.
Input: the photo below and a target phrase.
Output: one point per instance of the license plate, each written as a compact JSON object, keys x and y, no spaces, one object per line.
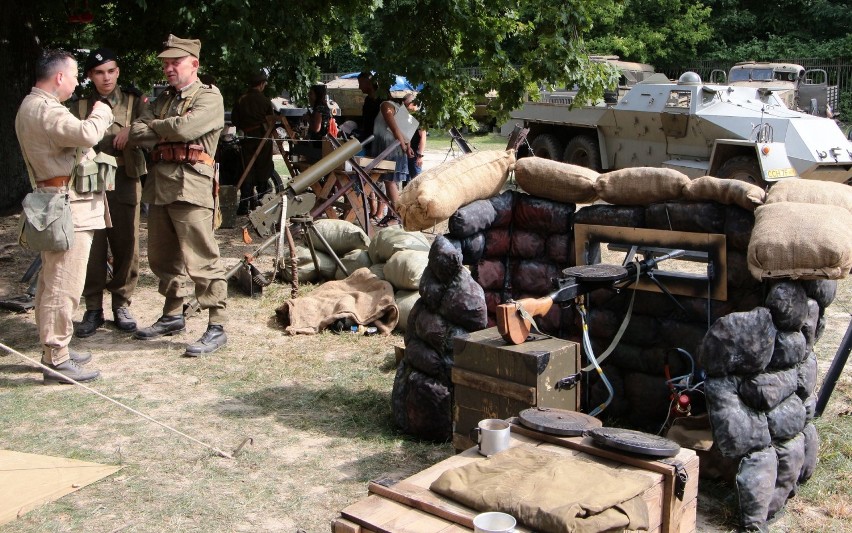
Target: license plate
{"x":781,"y":173}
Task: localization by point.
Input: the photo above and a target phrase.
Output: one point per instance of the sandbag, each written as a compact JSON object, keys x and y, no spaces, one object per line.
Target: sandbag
{"x":810,"y":407}
{"x":431,"y":290}
{"x":306,"y":270}
{"x":404,"y":269}
{"x":725,"y":191}
{"x":490,"y":274}
{"x":737,"y":428}
{"x":378,"y":270}
{"x":392,"y":239}
{"x":755,"y":484}
{"x":433,"y":329}
{"x":445,"y":260}
{"x":437,"y":193}
{"x":534,"y":277}
{"x":473,"y":249}
{"x":789,"y":351}
{"x":405,"y":301}
{"x":421,"y":405}
{"x":811,"y":453}
{"x":739,"y":343}
{"x":811,"y":192}
{"x":766,"y":390}
{"x":464,"y":303}
{"x":542,"y":216}
{"x":503,"y":204}
{"x":424,"y":358}
{"x":526,"y":245}
{"x":810,"y":329}
{"x":641,"y":185}
{"x":472,"y":218}
{"x":341,"y":235}
{"x":822,"y":290}
{"x":497,"y":243}
{"x":801,"y":241}
{"x":787,"y":419}
{"x":557,"y":181}
{"x":807,"y":376}
{"x":559,"y":248}
{"x":788,"y":303}
{"x":686,"y":216}
{"x":791,"y":457}
{"x":611,"y":215}
{"x":353,"y":261}
{"x":739,"y":224}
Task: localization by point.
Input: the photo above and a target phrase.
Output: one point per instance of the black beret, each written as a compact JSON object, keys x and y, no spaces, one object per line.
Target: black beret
{"x":99,"y":57}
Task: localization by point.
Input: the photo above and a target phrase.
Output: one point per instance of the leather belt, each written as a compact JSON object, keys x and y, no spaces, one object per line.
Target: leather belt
{"x":58,"y":181}
{"x":181,"y":153}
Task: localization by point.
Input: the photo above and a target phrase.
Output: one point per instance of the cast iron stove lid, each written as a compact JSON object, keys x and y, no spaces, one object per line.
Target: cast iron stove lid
{"x":599,"y":272}
{"x":558,"y":421}
{"x":634,"y":441}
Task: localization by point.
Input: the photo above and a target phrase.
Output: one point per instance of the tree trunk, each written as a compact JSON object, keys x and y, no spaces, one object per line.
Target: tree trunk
{"x":19,"y":50}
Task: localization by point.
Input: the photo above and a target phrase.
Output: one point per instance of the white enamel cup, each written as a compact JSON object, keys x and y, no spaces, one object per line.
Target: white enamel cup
{"x":493,"y":436}
{"x":494,"y":522}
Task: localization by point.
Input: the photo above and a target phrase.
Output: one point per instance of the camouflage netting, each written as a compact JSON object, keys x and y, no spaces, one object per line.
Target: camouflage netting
{"x":755,"y":348}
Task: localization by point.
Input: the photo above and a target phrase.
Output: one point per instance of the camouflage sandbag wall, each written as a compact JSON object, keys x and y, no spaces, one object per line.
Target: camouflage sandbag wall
{"x":658,"y":326}
{"x":762,"y":372}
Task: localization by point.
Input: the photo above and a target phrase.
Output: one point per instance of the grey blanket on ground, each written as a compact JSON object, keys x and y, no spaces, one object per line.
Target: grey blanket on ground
{"x":550,"y":492}
{"x":361,"y":298}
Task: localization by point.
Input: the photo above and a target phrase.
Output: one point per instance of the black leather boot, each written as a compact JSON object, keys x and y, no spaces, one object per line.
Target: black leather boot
{"x":92,"y":320}
{"x":165,"y":325}
{"x":213,"y":339}
{"x":123,"y":320}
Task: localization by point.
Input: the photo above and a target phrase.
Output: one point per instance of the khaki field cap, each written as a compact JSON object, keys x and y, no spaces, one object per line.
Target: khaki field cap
{"x":177,"y":47}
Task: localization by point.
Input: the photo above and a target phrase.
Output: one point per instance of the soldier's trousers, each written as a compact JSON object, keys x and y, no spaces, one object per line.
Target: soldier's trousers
{"x":60,"y":285}
{"x":180,"y":243}
{"x":123,"y":239}
{"x":262,"y":168}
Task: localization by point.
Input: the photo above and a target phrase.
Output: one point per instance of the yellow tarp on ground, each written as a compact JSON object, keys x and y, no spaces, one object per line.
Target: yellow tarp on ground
{"x":28,"y":480}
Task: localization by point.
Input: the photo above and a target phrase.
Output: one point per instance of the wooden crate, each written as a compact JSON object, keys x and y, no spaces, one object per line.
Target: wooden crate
{"x":492,"y":379}
{"x":408,"y":506}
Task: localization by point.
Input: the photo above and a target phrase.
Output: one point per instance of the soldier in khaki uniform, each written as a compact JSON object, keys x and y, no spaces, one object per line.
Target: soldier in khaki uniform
{"x":123,"y":237}
{"x":182,"y":127}
{"x":51,"y":140}
{"x":249,"y":115}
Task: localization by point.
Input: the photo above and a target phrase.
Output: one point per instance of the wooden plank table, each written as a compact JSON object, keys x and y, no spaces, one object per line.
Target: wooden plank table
{"x":408,"y":506}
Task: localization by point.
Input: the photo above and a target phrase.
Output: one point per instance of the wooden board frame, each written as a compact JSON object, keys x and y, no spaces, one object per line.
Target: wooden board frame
{"x":713,"y":244}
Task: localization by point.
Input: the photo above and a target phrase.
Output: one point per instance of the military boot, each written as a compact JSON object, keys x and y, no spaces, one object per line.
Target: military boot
{"x":213,"y":339}
{"x":165,"y":325}
{"x":81,"y":358}
{"x":92,"y":320}
{"x":68,"y":369}
{"x":123,"y":320}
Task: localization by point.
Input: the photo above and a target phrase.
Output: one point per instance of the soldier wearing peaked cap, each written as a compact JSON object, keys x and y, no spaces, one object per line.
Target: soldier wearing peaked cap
{"x":122,"y":239}
{"x":182,"y":128}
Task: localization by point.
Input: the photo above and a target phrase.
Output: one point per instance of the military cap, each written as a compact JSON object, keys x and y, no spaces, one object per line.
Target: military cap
{"x":99,"y":57}
{"x":258,"y":77}
{"x":177,"y":47}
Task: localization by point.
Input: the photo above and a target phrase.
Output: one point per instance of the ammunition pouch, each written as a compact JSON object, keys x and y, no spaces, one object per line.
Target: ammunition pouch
{"x":95,"y":175}
{"x":181,"y":153}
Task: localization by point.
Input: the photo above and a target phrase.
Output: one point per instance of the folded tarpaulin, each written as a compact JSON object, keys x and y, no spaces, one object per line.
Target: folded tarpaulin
{"x":550,"y":492}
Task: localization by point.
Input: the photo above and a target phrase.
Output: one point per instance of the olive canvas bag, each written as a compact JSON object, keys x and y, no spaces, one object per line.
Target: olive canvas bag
{"x":46,"y":223}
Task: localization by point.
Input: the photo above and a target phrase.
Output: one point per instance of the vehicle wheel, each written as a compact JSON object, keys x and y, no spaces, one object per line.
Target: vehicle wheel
{"x":583,"y":151}
{"x":547,"y":146}
{"x":276,"y":181}
{"x":743,"y":168}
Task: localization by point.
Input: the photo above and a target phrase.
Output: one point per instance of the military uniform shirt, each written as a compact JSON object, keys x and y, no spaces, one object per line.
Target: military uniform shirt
{"x":194,"y":114}
{"x":251,"y":111}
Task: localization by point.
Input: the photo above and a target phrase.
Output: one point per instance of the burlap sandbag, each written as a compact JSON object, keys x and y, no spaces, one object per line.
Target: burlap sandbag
{"x":343,"y":236}
{"x":811,"y":192}
{"x":404,"y":269}
{"x":641,"y":185}
{"x":306,"y":270}
{"x":393,"y":239}
{"x":436,"y":194}
{"x":728,"y":192}
{"x":553,"y":180}
{"x":800,"y":241}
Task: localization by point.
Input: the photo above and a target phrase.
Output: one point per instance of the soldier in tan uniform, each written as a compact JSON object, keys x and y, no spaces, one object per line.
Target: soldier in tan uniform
{"x":249,"y":115}
{"x":50,"y":137}
{"x":123,"y":237}
{"x":182,"y":127}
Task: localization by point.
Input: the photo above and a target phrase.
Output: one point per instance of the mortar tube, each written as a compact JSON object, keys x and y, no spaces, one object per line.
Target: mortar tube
{"x":324,"y":166}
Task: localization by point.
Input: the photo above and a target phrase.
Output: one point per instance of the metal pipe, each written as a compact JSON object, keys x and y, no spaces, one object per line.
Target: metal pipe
{"x":834,"y":371}
{"x":324,"y":166}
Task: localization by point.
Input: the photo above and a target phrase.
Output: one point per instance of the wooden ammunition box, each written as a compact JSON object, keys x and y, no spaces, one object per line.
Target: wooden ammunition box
{"x":492,"y":379}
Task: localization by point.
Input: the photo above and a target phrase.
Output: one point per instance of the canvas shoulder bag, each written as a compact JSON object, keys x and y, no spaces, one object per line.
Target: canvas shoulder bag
{"x":46,"y":222}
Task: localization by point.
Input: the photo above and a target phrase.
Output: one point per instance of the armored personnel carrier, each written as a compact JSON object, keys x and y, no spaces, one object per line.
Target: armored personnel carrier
{"x":697,"y":128}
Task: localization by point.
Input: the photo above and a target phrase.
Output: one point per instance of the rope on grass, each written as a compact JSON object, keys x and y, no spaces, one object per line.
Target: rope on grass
{"x":132,"y":410}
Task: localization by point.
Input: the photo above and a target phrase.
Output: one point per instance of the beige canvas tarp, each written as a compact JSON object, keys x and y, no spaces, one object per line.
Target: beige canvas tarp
{"x":28,"y":480}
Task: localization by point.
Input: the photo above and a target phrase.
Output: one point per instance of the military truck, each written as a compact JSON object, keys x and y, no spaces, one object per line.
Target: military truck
{"x":800,"y":89}
{"x":697,"y":128}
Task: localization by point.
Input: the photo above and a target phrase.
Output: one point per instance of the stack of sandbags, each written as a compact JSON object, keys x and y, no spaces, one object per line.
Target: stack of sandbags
{"x":762,"y":372}
{"x":450,"y":304}
{"x":436,"y":194}
{"x":345,"y":239}
{"x":803,"y":232}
